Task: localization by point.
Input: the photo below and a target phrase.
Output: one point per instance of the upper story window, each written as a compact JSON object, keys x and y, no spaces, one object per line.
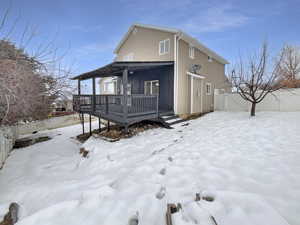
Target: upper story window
{"x":128,"y":57}
{"x":208,"y":89}
{"x":192,"y":52}
{"x":164,"y":47}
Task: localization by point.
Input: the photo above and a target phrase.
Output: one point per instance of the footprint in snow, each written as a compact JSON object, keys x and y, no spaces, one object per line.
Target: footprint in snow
{"x":163,"y":171}
{"x":170,"y":159}
{"x":134,"y":220}
{"x":162,"y":192}
{"x":109,"y":158}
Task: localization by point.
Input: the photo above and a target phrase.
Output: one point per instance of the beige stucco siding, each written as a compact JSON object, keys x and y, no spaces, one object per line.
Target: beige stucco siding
{"x":213,"y":71}
{"x":144,"y":44}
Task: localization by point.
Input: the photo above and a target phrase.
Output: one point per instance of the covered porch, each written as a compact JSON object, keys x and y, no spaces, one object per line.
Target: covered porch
{"x":135,"y":99}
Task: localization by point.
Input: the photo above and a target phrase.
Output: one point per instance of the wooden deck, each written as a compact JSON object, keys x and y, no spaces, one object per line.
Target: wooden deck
{"x":113,"y":108}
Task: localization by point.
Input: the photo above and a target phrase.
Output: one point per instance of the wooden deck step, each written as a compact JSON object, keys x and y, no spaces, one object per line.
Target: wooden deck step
{"x":171,"y":119}
{"x":177,"y":121}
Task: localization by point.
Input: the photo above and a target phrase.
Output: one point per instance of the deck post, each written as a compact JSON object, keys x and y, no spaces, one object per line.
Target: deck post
{"x":90,"y":124}
{"x":82,"y":116}
{"x":108,"y":125}
{"x":79,"y":93}
{"x":99,"y":123}
{"x":157,"y":106}
{"x":79,"y":89}
{"x":106,"y":104}
{"x":125,"y":94}
{"x":94,"y":94}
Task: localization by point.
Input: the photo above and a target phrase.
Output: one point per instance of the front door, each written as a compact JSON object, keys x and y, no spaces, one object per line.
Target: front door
{"x":196,"y":95}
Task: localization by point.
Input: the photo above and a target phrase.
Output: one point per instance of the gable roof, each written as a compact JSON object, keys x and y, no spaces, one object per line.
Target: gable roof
{"x":184,"y":36}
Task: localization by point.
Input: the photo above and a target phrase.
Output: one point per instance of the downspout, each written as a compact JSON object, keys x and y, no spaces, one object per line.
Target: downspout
{"x":177,"y":37}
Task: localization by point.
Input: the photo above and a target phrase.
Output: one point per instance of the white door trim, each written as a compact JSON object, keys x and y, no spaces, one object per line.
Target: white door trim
{"x":201,"y":108}
{"x":197,"y":76}
{"x":192,"y":94}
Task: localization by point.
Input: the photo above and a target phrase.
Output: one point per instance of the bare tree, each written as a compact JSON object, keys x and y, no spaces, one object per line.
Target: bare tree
{"x":254,"y":80}
{"x":289,"y":66}
{"x":29,"y":82}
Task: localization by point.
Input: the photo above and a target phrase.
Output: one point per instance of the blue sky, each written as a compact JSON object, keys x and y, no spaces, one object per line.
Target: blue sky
{"x":89,"y":30}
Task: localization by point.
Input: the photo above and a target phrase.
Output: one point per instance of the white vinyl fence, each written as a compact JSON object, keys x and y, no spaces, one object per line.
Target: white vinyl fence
{"x":8,"y":136}
{"x":51,"y":123}
{"x":282,"y":100}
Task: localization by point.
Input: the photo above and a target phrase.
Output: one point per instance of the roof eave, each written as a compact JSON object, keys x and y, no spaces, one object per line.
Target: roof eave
{"x":203,"y":48}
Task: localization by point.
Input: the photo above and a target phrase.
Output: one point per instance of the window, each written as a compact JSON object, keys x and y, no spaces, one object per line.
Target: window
{"x":109,"y":87}
{"x":128,"y":57}
{"x":164,"y":47}
{"x":151,"y":87}
{"x":192,"y":52}
{"x":208,"y":88}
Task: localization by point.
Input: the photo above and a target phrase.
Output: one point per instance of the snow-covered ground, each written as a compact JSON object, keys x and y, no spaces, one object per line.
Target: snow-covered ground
{"x":250,"y":165}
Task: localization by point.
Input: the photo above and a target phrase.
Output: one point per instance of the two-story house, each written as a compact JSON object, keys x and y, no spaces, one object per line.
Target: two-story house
{"x":159,"y":62}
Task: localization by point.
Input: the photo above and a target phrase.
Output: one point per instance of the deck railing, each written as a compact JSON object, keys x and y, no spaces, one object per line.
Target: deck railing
{"x":114,"y":104}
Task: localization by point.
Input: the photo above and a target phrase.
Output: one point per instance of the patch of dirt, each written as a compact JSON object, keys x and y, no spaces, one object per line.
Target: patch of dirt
{"x":24,"y":142}
{"x":83,"y":137}
{"x":195,"y":116}
{"x":83,"y":152}
{"x":115,"y":133}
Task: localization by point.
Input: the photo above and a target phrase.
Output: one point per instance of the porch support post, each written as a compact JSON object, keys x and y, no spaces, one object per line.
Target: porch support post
{"x":99,"y":123}
{"x":79,"y":89}
{"x":125,"y":94}
{"x":82,"y":116}
{"x":90,"y":124}
{"x":94,"y":94}
{"x":79,"y":93}
{"x":157,"y":104}
{"x":108,"y":126}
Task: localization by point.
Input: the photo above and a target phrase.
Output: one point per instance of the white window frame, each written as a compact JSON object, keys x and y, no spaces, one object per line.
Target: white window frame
{"x":128,"y":57}
{"x":151,"y":85}
{"x":106,"y":85}
{"x":165,"y":43}
{"x":191,"y":52}
{"x":208,"y":86}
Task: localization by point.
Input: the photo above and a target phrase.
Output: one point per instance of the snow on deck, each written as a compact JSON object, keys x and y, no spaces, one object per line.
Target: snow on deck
{"x":250,"y":165}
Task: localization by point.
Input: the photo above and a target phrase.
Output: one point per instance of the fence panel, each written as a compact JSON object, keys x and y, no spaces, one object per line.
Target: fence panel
{"x":282,"y":101}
